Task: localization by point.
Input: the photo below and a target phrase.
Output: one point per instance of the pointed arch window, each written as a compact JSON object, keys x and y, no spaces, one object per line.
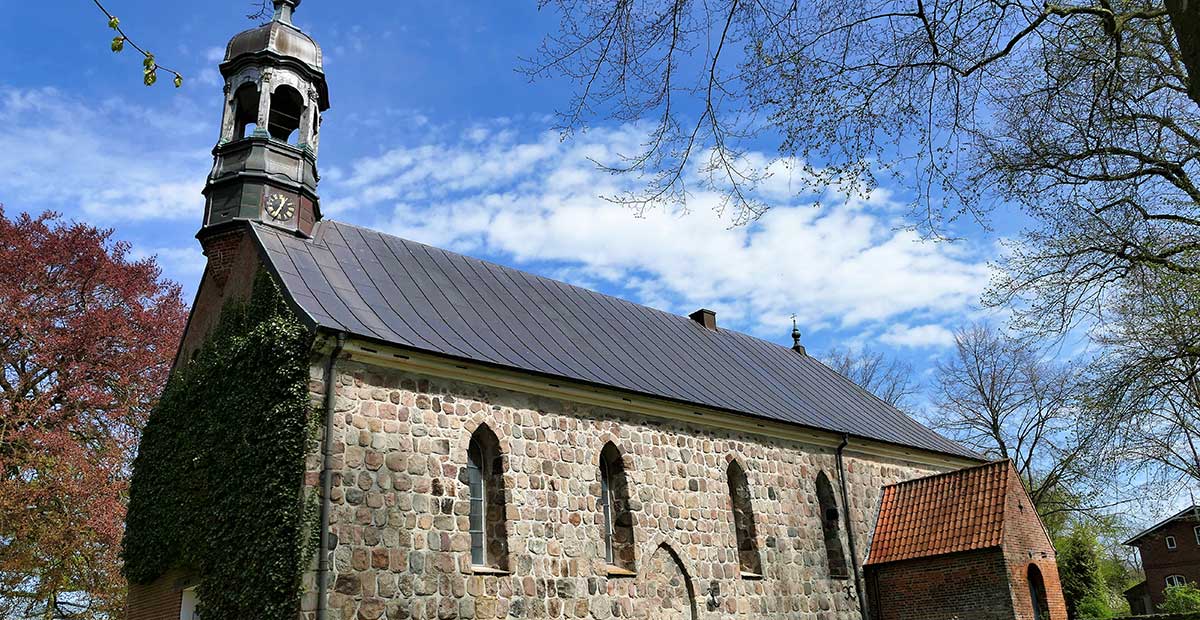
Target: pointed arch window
{"x":749,"y":561}
{"x":614,"y":504}
{"x":831,"y":528}
{"x":487,"y":518}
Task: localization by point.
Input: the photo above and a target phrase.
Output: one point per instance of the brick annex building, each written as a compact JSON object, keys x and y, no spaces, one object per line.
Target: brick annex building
{"x":494,"y":444}
{"x":1170,"y":554}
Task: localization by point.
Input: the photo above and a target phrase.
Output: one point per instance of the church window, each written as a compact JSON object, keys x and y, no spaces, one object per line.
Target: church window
{"x":1176,"y":580}
{"x":743,"y":520}
{"x":487,"y":519}
{"x":287,"y":106}
{"x":830,"y":528}
{"x":245,"y":109}
{"x":614,"y":502}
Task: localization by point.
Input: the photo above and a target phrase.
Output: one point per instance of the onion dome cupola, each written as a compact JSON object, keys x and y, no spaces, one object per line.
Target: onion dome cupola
{"x":265,"y":162}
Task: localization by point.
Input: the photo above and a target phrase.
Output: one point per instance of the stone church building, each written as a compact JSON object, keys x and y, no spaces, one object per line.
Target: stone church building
{"x":493,"y":444}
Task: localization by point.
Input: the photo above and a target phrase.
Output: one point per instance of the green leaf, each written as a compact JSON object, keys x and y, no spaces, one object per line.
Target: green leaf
{"x":148,"y":62}
{"x":151,"y":77}
{"x":178,"y":81}
{"x":113,"y":22}
{"x":118,"y":44}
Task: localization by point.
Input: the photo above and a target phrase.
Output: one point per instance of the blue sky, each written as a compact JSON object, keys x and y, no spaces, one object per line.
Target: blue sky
{"x":434,"y":136}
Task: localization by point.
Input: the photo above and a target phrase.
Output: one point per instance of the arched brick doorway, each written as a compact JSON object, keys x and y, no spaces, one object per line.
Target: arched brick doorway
{"x":1037,"y":593}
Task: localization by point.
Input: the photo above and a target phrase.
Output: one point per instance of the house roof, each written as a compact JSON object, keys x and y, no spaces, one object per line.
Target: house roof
{"x":947,"y":513}
{"x":381,"y":287}
{"x":1192,"y":512}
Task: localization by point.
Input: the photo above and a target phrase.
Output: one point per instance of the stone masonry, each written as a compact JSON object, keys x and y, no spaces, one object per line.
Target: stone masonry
{"x":400,"y":511}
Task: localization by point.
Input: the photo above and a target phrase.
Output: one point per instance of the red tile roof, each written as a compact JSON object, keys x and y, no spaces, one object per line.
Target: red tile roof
{"x":947,"y":513}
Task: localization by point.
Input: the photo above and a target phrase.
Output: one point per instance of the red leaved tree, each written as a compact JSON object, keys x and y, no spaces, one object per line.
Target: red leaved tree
{"x":87,"y":337}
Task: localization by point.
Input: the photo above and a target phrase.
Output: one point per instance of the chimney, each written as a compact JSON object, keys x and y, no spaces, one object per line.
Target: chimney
{"x":707,"y":318}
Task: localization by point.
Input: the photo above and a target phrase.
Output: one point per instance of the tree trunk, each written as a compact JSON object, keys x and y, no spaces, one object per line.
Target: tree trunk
{"x":1185,"y":20}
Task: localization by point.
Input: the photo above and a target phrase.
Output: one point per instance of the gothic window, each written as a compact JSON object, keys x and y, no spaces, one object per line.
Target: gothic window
{"x":1176,"y":580}
{"x":743,"y":520}
{"x":830,"y":528}
{"x":614,"y":503}
{"x":245,"y":109}
{"x":287,"y":106}
{"x":487,"y":519}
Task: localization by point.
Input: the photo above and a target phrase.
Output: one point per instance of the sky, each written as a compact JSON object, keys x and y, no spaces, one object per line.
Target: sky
{"x":433,"y":135}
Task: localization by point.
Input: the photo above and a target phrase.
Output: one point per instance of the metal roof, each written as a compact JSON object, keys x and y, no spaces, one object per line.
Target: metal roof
{"x":1192,"y":511}
{"x":382,"y":287}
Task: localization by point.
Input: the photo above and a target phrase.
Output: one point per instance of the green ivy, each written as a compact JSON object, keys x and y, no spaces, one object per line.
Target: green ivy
{"x":218,"y":481}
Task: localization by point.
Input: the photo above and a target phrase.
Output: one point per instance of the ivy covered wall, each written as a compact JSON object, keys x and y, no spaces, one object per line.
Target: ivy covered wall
{"x":218,"y":481}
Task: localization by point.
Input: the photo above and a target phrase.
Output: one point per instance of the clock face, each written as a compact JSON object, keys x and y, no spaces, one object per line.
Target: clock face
{"x":280,"y":207}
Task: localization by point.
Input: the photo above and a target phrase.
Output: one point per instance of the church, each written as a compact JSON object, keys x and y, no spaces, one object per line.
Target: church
{"x":360,"y":426}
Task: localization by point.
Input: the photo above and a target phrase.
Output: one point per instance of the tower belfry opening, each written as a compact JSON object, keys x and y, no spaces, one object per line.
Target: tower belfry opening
{"x":265,"y":161}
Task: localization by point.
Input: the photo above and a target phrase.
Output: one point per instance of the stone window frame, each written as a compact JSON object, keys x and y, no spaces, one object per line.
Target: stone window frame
{"x":1171,"y":544}
{"x":616,"y":512}
{"x":831,"y":526}
{"x":1196,"y":532}
{"x":741,"y":508}
{"x":487,"y":499}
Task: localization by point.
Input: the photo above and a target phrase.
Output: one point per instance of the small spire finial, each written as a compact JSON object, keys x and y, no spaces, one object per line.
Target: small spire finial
{"x":284,"y":10}
{"x":796,"y":346}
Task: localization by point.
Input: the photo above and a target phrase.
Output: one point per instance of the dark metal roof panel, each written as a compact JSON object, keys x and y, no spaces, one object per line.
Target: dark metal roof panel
{"x":386,"y":288}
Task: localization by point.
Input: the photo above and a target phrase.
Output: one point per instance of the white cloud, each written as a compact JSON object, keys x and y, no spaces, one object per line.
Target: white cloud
{"x":113,"y":161}
{"x":538,"y":203}
{"x":176,"y":261}
{"x":919,"y":336}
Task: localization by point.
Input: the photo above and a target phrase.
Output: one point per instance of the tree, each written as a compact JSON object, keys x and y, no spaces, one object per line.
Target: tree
{"x":998,"y":396}
{"x":1080,"y":574}
{"x":1147,"y":381}
{"x":1085,"y":113}
{"x":890,"y":380}
{"x":87,"y":336}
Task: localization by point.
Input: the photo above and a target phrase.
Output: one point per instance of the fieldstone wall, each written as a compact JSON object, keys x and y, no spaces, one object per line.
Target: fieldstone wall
{"x":401,"y":525}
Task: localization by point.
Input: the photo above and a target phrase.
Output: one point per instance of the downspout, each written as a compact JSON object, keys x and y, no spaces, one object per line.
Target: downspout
{"x":327,"y":480}
{"x":858,"y":585}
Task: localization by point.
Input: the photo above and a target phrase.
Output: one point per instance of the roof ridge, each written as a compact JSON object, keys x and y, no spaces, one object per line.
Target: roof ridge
{"x":947,"y":474}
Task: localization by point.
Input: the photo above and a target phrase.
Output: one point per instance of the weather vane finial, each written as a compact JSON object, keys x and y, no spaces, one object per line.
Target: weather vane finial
{"x":796,"y":346}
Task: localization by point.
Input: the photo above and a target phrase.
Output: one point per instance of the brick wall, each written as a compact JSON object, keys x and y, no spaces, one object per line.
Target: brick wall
{"x":158,"y":600}
{"x":1026,"y":543}
{"x":400,"y":510}
{"x":233,"y":261}
{"x":969,"y":585}
{"x":1159,"y":562}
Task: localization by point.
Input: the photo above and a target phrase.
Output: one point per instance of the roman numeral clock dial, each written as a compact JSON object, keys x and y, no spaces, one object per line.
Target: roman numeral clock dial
{"x":280,"y":207}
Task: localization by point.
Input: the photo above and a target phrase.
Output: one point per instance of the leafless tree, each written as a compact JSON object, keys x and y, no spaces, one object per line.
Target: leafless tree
{"x":1148,"y":379}
{"x":1001,"y":398}
{"x":1086,"y":113}
{"x":889,"y":379}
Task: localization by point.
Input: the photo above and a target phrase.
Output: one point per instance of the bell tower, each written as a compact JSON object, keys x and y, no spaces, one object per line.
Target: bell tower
{"x":265,"y":161}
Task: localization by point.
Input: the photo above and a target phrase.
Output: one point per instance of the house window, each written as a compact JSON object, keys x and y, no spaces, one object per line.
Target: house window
{"x":188,"y":604}
{"x":1175,"y":580}
{"x":1171,"y":542}
{"x":1196,"y":531}
{"x":743,"y":520}
{"x":487,"y":519}
{"x":830,"y":528}
{"x":614,"y":503}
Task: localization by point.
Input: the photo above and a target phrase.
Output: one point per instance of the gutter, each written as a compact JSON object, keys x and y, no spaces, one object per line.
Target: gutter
{"x":324,"y":552}
{"x":858,"y":585}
